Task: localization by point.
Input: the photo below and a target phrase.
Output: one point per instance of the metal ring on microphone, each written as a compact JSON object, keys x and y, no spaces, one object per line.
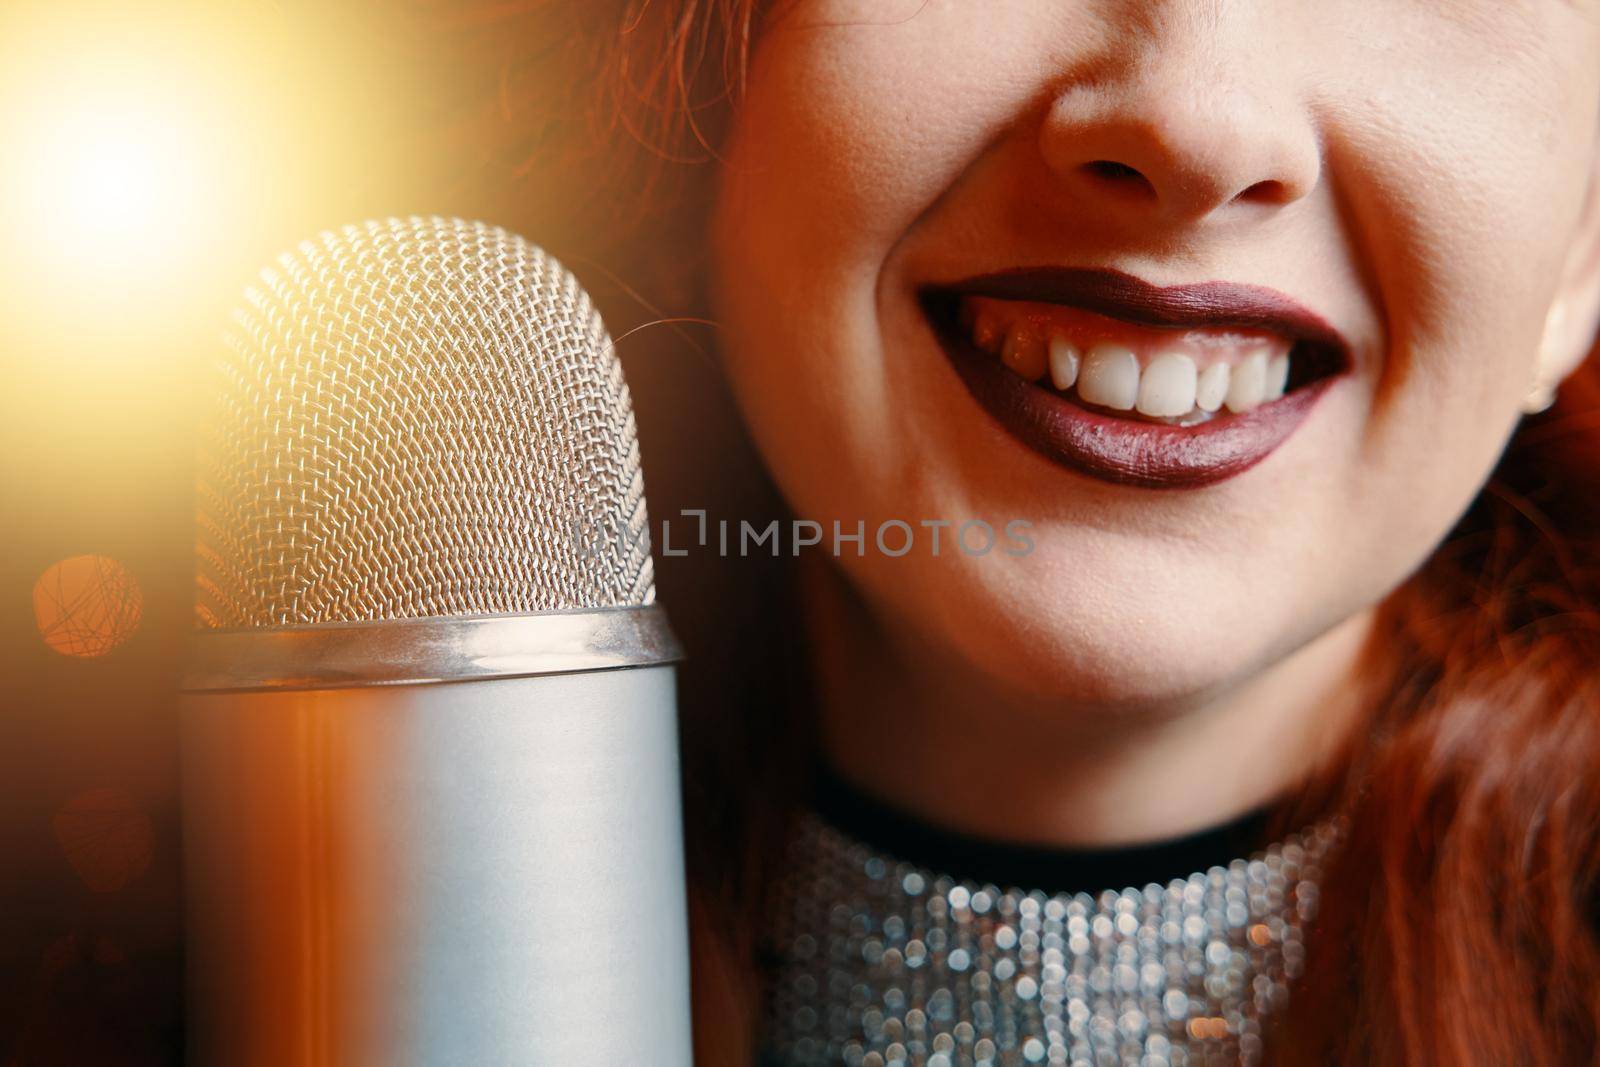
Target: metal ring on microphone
{"x":420,"y":651}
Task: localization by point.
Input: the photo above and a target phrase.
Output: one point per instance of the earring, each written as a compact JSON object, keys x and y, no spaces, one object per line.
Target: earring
{"x":1541,"y":393}
{"x":1539,"y":398}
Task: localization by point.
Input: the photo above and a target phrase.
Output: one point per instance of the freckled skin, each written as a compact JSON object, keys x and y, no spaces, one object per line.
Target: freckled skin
{"x":1417,"y":173}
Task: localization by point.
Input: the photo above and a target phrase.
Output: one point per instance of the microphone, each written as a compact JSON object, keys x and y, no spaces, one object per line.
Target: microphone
{"x":429,"y":753}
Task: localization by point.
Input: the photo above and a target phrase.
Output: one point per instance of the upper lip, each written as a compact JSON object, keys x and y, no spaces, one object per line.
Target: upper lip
{"x":1114,"y":294}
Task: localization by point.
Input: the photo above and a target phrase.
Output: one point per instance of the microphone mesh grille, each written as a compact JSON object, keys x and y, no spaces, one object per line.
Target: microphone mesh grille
{"x":417,"y":418}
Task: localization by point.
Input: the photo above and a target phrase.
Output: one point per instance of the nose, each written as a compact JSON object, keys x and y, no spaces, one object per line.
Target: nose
{"x":1180,"y":139}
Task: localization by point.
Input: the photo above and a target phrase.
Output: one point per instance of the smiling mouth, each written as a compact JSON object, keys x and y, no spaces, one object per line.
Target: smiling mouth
{"x":1134,"y":384}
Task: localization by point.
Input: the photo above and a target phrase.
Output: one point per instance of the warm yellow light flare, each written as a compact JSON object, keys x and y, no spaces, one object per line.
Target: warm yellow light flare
{"x":152,"y":156}
{"x":113,"y":177}
{"x":151,"y":153}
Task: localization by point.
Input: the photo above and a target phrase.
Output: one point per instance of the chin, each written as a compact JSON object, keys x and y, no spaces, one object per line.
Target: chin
{"x":1048,"y":631}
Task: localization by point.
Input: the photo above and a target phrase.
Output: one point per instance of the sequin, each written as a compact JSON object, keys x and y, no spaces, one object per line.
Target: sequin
{"x":881,"y":962}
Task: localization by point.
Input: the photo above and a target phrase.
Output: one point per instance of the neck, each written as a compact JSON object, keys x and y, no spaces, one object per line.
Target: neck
{"x":915,"y":726}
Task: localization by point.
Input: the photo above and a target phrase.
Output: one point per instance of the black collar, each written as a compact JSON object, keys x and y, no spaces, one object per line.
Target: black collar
{"x":1050,"y":869}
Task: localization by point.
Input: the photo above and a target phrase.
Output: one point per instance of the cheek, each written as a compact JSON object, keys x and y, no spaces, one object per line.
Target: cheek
{"x":1464,"y":182}
{"x":1462,"y":212}
{"x":860,"y":116}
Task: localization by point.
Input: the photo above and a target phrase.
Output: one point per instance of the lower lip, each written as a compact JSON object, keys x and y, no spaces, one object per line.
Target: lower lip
{"x":1124,"y":451}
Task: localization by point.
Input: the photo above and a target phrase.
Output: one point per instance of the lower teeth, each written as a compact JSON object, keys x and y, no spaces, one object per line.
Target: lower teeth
{"x":1196,"y":417}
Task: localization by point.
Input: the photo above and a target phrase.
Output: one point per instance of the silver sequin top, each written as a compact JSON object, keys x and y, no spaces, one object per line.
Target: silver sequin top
{"x":880,"y":962}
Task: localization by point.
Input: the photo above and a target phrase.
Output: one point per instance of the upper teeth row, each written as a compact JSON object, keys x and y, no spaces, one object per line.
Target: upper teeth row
{"x":1170,"y":386}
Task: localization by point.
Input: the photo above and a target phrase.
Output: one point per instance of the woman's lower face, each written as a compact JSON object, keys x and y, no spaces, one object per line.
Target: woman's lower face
{"x":1232,"y":306}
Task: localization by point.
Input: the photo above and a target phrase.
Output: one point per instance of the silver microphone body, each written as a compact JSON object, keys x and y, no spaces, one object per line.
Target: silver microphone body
{"x":431,"y":793}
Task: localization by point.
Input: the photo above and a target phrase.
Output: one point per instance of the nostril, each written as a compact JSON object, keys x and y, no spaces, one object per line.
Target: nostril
{"x":1119,"y":176}
{"x":1112,"y":170}
{"x":1266,"y":192}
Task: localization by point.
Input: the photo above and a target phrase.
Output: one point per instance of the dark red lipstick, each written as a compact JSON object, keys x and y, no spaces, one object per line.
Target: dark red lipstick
{"x":1126,"y":450}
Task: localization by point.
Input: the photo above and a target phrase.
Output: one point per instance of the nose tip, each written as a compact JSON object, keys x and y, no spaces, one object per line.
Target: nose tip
{"x":1177,"y":153}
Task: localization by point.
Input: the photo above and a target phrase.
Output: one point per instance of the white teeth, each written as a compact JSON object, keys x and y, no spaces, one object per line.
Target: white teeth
{"x":1108,"y":374}
{"x":1167,"y":386}
{"x":1110,"y":377}
{"x":1249,"y":385}
{"x":1277,"y":377}
{"x":1212,"y":388}
{"x":1064,"y":358}
{"x":1023,"y":353}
